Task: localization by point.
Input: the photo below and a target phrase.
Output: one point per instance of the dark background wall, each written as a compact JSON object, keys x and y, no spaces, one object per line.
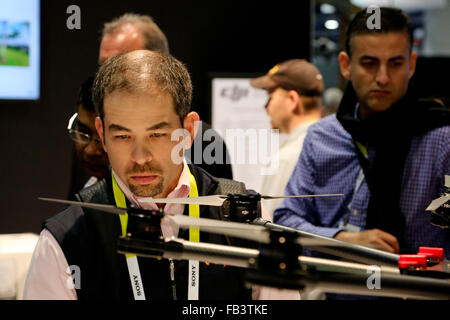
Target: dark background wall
{"x":208,"y":36}
{"x":430,"y":76}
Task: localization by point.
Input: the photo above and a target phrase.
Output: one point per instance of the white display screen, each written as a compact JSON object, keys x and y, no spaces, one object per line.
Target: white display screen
{"x":20,"y":50}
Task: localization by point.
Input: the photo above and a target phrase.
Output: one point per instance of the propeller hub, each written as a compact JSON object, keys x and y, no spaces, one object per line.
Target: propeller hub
{"x":244,"y":207}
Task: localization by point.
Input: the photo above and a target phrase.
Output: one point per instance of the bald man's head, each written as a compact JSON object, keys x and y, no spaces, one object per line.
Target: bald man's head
{"x":131,"y":32}
{"x":125,"y":38}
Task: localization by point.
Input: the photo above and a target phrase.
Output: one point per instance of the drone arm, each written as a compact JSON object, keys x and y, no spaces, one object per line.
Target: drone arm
{"x":233,"y":256}
{"x":180,"y":249}
{"x":346,"y":250}
{"x":318,"y":274}
{"x":395,"y":286}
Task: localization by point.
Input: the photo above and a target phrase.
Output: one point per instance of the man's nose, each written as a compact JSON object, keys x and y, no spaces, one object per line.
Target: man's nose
{"x":141,"y":153}
{"x":382,"y":76}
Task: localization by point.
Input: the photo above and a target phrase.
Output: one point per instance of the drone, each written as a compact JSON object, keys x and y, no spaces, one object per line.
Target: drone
{"x":279,"y":262}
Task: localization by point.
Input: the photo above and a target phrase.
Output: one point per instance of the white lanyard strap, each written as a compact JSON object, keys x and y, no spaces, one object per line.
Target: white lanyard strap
{"x":135,"y":278}
{"x":193,"y":277}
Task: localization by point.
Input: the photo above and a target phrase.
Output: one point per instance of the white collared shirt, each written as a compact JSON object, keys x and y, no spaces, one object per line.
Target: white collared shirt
{"x":287,"y":157}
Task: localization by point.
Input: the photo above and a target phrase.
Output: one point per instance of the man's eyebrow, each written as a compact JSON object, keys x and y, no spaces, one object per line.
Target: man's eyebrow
{"x":160,"y":125}
{"x":366,"y":57}
{"x":116,"y":127}
{"x":397,"y":58}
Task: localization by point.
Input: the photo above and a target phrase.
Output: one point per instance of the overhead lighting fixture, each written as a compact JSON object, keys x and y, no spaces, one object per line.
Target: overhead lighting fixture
{"x":326,"y":8}
{"x":331,"y":24}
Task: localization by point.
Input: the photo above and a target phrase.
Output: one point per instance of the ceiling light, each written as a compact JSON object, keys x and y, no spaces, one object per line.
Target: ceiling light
{"x":331,"y":24}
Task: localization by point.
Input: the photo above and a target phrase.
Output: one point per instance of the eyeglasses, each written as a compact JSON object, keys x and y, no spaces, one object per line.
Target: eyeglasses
{"x":78,"y":136}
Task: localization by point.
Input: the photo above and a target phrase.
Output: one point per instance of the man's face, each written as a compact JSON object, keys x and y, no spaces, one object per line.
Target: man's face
{"x":91,"y":155}
{"x":137,"y":138}
{"x":278,"y":108}
{"x":126,"y":38}
{"x":380,"y":68}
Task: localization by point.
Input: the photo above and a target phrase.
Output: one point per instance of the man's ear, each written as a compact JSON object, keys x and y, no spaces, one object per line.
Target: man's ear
{"x":296,"y":106}
{"x":344,"y":64}
{"x":191,"y":123}
{"x":100,"y":132}
{"x":412,"y":63}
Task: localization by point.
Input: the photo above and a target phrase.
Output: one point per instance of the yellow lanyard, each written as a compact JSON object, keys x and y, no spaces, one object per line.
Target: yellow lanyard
{"x":362,"y":148}
{"x":119,"y":197}
{"x":194,"y":209}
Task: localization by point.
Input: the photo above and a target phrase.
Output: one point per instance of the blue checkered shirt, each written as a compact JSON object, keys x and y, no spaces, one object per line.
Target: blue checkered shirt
{"x":328,"y":164}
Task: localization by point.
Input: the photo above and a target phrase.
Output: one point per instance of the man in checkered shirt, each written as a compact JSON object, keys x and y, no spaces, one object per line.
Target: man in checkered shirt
{"x":386,"y":149}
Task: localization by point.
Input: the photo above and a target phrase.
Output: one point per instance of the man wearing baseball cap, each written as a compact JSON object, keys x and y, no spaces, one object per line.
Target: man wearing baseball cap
{"x":294,"y":88}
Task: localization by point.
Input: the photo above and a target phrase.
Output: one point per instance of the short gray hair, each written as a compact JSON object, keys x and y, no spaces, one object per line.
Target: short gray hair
{"x":143,"y":70}
{"x":154,"y":38}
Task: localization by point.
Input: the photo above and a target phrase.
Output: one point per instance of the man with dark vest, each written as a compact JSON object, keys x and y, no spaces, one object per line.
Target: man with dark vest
{"x":143,"y":100}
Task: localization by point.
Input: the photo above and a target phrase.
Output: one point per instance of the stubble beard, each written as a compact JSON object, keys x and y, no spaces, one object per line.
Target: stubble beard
{"x":147,"y":190}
